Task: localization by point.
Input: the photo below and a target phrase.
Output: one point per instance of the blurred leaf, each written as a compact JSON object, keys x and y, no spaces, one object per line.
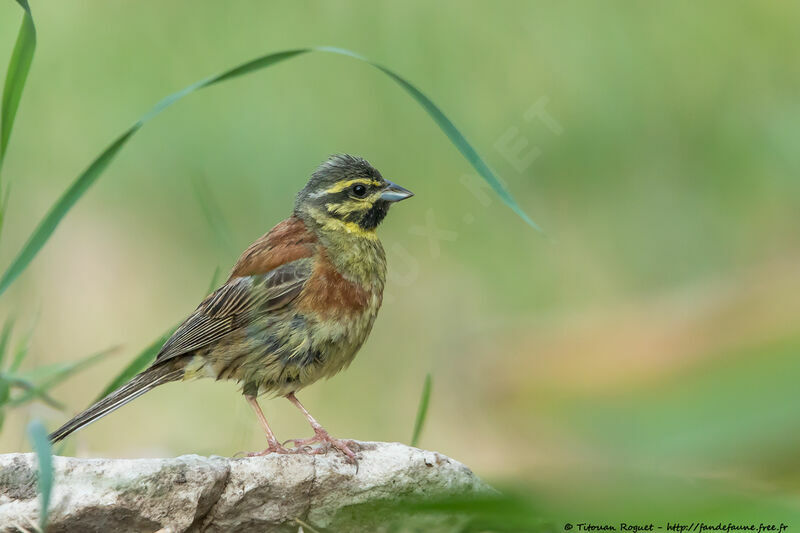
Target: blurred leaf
{"x":213,"y":213}
{"x":4,"y":206}
{"x":41,"y":446}
{"x":422,"y":411}
{"x":28,"y":386}
{"x":486,"y":512}
{"x":5,"y":385}
{"x":44,"y":378}
{"x":4,"y":337}
{"x":474,"y":512}
{"x":5,"y":393}
{"x":23,"y":346}
{"x":46,"y":227}
{"x":16,"y":75}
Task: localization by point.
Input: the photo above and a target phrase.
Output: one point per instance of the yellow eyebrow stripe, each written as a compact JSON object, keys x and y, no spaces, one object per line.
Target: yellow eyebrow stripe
{"x":342,"y":185}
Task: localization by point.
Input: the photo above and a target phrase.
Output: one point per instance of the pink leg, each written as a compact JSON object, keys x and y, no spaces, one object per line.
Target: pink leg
{"x":320,"y":435}
{"x":274,"y":445}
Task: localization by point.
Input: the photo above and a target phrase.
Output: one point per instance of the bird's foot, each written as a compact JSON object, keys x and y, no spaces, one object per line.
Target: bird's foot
{"x":274,"y":447}
{"x":323,"y":437}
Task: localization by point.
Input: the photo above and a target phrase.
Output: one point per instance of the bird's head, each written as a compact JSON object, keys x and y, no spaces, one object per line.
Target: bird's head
{"x":348,"y":194}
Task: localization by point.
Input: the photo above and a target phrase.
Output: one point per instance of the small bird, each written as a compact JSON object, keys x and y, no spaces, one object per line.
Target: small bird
{"x":298,"y":304}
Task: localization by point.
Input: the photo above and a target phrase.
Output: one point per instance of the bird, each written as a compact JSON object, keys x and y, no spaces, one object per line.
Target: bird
{"x":297,"y":307}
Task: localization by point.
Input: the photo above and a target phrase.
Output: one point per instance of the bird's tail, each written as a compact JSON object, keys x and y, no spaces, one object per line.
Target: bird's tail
{"x":143,"y":382}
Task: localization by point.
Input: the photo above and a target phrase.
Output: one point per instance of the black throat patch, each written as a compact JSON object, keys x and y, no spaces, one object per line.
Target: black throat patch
{"x":370,"y":219}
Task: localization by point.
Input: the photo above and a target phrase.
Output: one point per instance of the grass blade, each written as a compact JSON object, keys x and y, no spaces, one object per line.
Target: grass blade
{"x":48,"y":225}
{"x":4,"y":205}
{"x":41,"y":446}
{"x":61,"y":207}
{"x":16,"y":76}
{"x":5,"y":385}
{"x":49,"y":376}
{"x":41,"y":395}
{"x":449,"y":129}
{"x":213,"y":214}
{"x":4,"y":337}
{"x":45,"y":228}
{"x":422,"y":411}
{"x":138,"y":364}
{"x":23,"y":346}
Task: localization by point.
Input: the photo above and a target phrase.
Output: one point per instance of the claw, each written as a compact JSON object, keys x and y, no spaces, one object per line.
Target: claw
{"x":274,"y":447}
{"x":322,"y":437}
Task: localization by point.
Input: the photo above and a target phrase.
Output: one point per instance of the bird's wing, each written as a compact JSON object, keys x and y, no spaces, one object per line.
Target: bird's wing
{"x":220,"y":312}
{"x":267,"y":276}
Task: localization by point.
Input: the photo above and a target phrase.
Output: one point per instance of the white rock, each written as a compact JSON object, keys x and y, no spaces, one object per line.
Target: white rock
{"x":216,"y":494}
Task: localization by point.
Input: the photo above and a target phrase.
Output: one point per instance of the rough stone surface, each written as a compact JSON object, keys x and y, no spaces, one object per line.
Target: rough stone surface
{"x":217,"y":494}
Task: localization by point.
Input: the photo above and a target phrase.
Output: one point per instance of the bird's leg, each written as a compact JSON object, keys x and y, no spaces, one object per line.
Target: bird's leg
{"x":274,"y":445}
{"x":320,"y":435}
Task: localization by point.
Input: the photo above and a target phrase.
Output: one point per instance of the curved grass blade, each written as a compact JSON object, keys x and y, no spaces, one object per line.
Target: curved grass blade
{"x":5,"y":384}
{"x":422,"y":411}
{"x":44,"y":454}
{"x":4,"y":205}
{"x":47,"y":377}
{"x":4,"y":338}
{"x":45,"y":228}
{"x":213,"y":214}
{"x":138,"y":364}
{"x":30,"y":387}
{"x":23,"y":346}
{"x":57,"y":212}
{"x":48,"y":225}
{"x":16,"y":75}
{"x":449,"y":129}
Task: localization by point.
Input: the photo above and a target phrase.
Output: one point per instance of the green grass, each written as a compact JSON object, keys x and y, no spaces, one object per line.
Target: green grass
{"x":673,"y":183}
{"x":48,"y":224}
{"x":422,"y":410}
{"x":19,"y":387}
{"x":16,"y":75}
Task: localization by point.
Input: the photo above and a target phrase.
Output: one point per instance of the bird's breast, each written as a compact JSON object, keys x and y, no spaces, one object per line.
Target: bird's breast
{"x":319,"y":333}
{"x":325,"y":327}
{"x":346,"y":281}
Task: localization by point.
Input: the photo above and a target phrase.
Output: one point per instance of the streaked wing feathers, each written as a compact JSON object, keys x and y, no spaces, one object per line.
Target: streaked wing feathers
{"x":220,"y":312}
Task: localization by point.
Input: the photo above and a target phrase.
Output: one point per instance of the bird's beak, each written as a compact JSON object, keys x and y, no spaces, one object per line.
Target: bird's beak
{"x":394,"y":193}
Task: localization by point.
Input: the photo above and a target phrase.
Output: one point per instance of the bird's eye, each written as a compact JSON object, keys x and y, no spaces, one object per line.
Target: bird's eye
{"x":359,"y":191}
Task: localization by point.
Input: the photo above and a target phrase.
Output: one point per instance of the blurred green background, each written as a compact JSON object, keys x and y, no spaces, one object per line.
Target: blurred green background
{"x":646,"y":356}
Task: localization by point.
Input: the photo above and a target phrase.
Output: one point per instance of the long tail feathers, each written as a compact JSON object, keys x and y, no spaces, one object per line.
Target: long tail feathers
{"x":147,"y":380}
